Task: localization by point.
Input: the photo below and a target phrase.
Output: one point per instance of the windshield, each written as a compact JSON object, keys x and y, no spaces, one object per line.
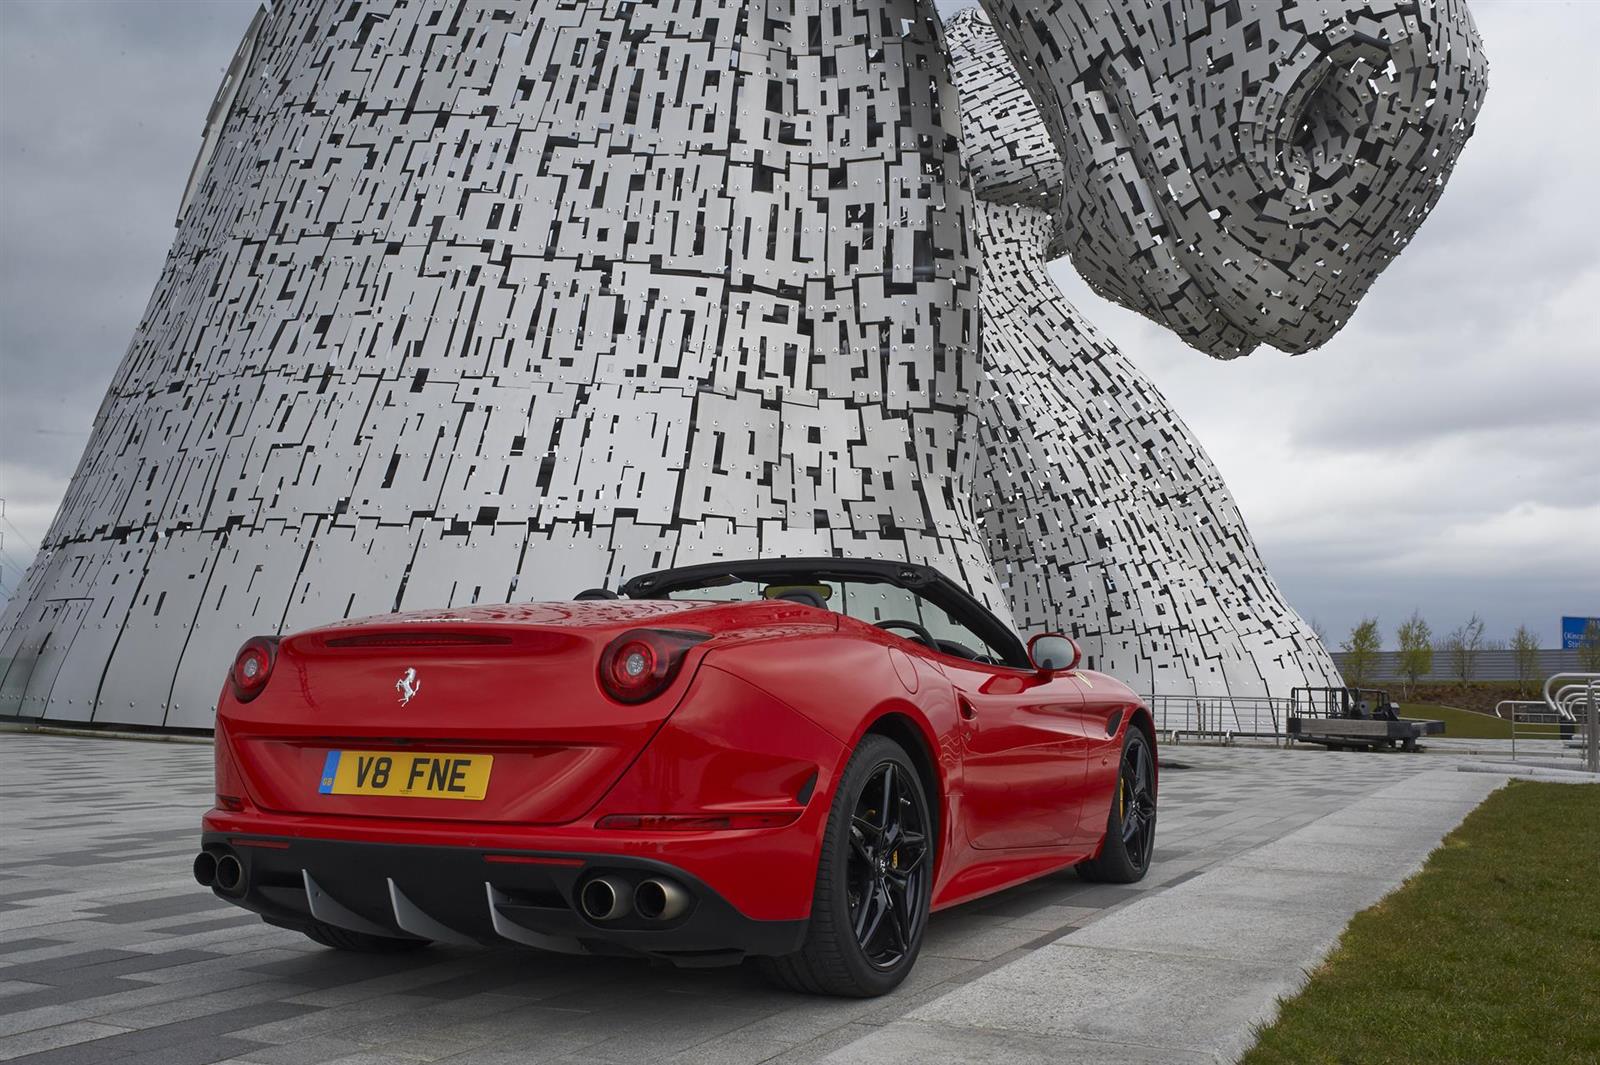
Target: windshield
{"x":874,"y":602}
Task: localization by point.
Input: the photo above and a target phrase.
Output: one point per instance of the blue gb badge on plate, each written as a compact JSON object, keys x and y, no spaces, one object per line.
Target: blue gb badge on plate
{"x":330,"y":769}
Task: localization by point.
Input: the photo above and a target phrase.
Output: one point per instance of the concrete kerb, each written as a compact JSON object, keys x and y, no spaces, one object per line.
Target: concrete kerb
{"x":1548,"y":774}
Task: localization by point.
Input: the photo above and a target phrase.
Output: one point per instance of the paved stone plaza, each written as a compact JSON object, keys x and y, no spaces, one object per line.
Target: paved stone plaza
{"x":110,"y":952}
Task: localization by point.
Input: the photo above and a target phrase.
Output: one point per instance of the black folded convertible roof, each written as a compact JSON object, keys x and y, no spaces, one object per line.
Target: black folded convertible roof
{"x":926,"y":581}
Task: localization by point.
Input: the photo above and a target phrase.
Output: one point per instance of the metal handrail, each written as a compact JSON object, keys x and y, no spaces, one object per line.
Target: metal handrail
{"x":1581,"y":691}
{"x":1227,"y":717}
{"x":1514,"y":703}
{"x":1568,"y":697}
{"x":1544,"y":716}
{"x":1223,"y":717}
{"x":1589,"y":680}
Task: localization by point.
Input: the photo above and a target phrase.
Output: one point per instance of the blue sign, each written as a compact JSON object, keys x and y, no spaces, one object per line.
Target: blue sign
{"x":1572,"y":630}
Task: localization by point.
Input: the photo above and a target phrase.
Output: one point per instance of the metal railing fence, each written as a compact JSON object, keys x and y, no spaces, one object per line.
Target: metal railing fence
{"x":1531,"y":720}
{"x":1220,"y":717}
{"x":1575,"y":699}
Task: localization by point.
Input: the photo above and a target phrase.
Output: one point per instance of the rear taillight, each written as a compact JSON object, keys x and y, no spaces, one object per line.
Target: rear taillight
{"x":639,"y":665}
{"x":252,"y":667}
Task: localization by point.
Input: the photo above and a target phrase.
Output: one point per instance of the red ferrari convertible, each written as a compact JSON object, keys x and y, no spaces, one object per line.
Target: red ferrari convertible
{"x":794,"y":760}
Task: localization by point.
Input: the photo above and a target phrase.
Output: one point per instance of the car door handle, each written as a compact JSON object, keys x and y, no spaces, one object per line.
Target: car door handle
{"x":968,"y":711}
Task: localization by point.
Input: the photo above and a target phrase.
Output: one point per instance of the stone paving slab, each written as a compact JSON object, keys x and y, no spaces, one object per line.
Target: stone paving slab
{"x":109,"y":951}
{"x":1187,"y":974}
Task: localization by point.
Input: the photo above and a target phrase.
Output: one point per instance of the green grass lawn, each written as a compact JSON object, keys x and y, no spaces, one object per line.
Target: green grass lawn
{"x":1470,"y":725}
{"x":1490,"y":954}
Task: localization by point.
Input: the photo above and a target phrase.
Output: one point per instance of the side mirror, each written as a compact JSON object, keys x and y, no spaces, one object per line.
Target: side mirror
{"x":1051,"y":652}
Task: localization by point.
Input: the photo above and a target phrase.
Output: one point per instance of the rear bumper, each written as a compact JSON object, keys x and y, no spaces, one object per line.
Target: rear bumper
{"x":472,"y":894}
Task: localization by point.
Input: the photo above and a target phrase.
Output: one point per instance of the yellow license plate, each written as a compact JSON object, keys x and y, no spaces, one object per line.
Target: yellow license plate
{"x":406,"y":774}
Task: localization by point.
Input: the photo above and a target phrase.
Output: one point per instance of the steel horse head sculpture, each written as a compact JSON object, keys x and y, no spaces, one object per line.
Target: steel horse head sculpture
{"x":489,"y":300}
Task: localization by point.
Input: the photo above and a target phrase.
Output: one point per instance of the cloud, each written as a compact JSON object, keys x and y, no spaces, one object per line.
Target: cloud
{"x":101,"y":109}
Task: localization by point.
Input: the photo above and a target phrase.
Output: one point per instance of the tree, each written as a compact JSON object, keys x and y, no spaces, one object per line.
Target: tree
{"x":1589,"y":648}
{"x":1416,"y":649}
{"x":1525,"y":656}
{"x":1361,"y":652}
{"x":1464,"y":644}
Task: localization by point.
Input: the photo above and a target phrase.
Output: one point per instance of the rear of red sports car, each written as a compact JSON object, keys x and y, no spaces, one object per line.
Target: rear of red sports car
{"x":573,"y":776}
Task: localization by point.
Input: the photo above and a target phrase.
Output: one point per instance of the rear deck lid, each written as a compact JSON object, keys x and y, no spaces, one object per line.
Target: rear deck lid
{"x":490,"y":715}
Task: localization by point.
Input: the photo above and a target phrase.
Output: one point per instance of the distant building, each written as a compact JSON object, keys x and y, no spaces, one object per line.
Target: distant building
{"x":1488,"y":665}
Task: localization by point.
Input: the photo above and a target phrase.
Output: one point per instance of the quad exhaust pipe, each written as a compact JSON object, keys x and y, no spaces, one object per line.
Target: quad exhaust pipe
{"x":230,"y":874}
{"x":221,"y":870}
{"x":205,"y":868}
{"x":605,"y":898}
{"x":660,"y":900}
{"x":611,"y":898}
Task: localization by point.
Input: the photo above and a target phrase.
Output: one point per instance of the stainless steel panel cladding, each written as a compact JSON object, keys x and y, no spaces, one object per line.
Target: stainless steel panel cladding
{"x":1242,"y":171}
{"x":478,"y":301}
{"x":1103,"y":515}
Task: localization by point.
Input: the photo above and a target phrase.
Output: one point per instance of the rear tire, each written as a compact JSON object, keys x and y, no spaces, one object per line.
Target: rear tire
{"x":1124,"y":858}
{"x":360,"y":942}
{"x":874,"y":881}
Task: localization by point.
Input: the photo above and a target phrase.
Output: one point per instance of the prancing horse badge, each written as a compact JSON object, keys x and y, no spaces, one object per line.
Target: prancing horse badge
{"x":408,"y":686}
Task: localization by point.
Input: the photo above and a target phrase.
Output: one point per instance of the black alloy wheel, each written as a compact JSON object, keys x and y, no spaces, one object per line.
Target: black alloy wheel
{"x":874,"y":880}
{"x":1136,"y":796}
{"x":887,"y":863}
{"x":1131,"y":825}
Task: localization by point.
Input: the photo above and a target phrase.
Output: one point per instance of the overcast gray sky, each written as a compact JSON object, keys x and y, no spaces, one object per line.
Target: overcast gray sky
{"x":1443,"y":452}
